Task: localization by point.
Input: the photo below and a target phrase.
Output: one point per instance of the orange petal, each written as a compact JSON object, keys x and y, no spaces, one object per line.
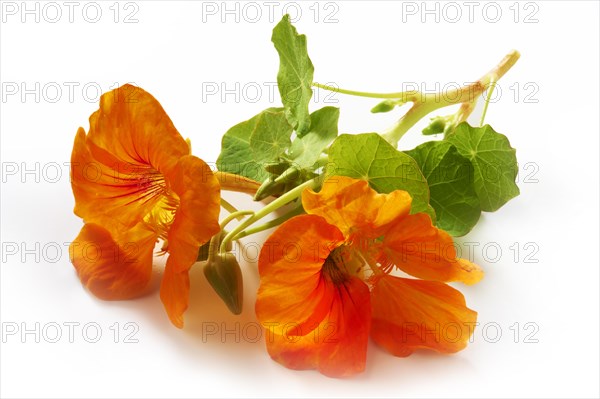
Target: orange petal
{"x":411,"y":314}
{"x":424,"y":251}
{"x":118,"y":168}
{"x":113,"y":268}
{"x":354,"y":207}
{"x":131,"y":126}
{"x":338,"y":346}
{"x":472,"y":273}
{"x":175,"y":293}
{"x":197,"y":216}
{"x":196,"y":221}
{"x":116,"y":196}
{"x":292,"y":287}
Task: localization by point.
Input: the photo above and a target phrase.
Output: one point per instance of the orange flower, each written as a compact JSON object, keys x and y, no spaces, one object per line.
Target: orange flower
{"x":135,"y":182}
{"x":326,"y":282}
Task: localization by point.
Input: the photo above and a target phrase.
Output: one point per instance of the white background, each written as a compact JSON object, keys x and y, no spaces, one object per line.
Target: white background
{"x":176,"y":52}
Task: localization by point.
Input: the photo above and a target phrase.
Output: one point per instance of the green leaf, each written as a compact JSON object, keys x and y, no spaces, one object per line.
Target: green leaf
{"x":494,"y":162}
{"x":248,"y":144}
{"x":450,"y":179}
{"x":271,"y":136}
{"x":368,"y":156}
{"x":306,"y":150}
{"x":295,"y":75}
{"x":236,"y":155}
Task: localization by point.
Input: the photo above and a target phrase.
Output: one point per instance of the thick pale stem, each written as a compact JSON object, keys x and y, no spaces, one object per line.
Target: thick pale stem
{"x":463,"y":113}
{"x":425,"y":103}
{"x":466,"y":95}
{"x":240,"y":184}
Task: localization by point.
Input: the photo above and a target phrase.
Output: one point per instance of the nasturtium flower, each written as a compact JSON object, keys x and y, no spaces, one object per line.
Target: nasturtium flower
{"x":135,"y":182}
{"x":326,"y":281}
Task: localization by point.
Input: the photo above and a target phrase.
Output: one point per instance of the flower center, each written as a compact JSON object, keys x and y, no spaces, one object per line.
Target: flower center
{"x":154,"y":189}
{"x":340,"y":265}
{"x":371,"y":253}
{"x":162,"y":214}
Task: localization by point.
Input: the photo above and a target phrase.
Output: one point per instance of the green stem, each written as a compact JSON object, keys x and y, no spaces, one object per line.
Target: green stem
{"x":403,"y":95}
{"x":490,"y":90}
{"x":228,"y":206}
{"x":463,"y":113}
{"x":417,"y":112}
{"x":424,"y":103}
{"x":271,"y":223}
{"x":214,"y":241}
{"x":212,"y":247}
{"x":234,"y":215}
{"x":322,"y":161}
{"x":276,"y":204}
{"x":466,"y":95}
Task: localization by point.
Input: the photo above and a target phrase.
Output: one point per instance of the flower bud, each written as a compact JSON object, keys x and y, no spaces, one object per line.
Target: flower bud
{"x":436,"y":126}
{"x":384,"y":106}
{"x":203,"y":252}
{"x":268,"y":188}
{"x":225,"y":276}
{"x":276,"y":168}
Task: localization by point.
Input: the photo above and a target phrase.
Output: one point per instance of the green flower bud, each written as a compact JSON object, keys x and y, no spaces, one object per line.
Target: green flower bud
{"x":384,"y":106}
{"x":268,"y":188}
{"x":436,"y":126}
{"x":276,"y":168}
{"x":203,"y":252}
{"x":292,"y":174}
{"x":225,"y":276}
